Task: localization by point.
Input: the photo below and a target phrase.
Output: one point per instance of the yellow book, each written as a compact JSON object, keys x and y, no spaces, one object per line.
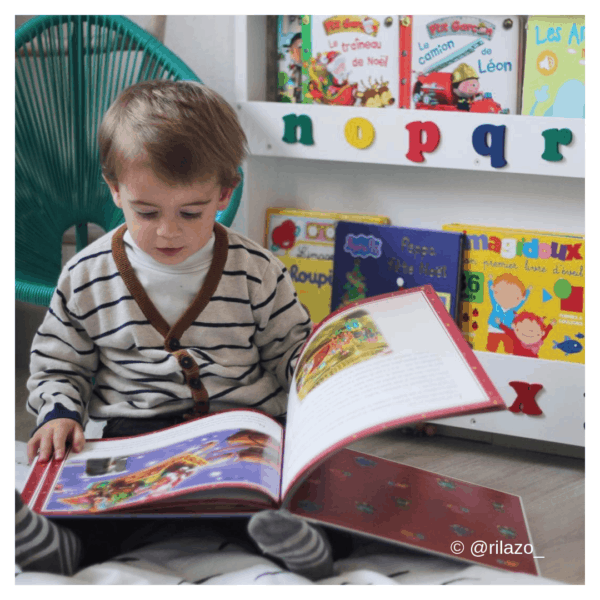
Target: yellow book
{"x":304,"y":242}
{"x":523,"y":292}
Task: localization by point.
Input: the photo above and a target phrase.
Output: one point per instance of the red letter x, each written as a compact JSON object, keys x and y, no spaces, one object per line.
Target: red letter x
{"x":525,"y":397}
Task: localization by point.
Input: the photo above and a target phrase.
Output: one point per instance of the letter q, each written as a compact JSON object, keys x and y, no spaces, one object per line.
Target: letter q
{"x":495,"y":148}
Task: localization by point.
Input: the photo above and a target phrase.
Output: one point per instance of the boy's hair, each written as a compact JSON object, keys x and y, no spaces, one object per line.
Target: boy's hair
{"x":508,"y":278}
{"x":527,"y":316}
{"x":183,"y":130}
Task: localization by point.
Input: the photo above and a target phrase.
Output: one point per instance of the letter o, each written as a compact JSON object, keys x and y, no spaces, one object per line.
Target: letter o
{"x":359,"y":133}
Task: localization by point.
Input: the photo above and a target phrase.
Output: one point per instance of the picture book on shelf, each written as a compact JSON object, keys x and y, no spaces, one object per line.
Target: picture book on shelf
{"x":554,"y":78}
{"x":288,"y":40}
{"x":523,"y":292}
{"x":461,"y":63}
{"x":371,"y":259}
{"x":303,"y":240}
{"x":350,"y":60}
{"x":375,"y":365}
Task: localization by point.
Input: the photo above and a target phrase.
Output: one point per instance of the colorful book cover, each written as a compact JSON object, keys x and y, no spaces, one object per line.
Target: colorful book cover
{"x":523,"y":292}
{"x":351,"y":60}
{"x":289,"y":52}
{"x":374,"y":259}
{"x":303,"y":240}
{"x":554,"y":79}
{"x":461,"y":62}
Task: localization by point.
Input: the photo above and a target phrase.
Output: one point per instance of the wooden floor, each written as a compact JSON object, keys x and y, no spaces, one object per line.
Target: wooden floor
{"x":552,"y":487}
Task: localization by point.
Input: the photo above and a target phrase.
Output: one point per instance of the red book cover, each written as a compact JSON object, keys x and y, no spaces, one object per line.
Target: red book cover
{"x":417,"y":508}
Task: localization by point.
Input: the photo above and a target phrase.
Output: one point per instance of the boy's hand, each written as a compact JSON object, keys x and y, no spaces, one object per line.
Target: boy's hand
{"x":52,"y":437}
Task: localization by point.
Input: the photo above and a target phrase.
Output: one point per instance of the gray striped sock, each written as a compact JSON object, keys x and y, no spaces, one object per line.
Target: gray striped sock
{"x":40,"y":545}
{"x":303,"y":548}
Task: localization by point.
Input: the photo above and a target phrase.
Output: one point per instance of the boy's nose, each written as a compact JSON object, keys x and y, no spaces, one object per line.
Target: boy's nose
{"x":168,"y":229}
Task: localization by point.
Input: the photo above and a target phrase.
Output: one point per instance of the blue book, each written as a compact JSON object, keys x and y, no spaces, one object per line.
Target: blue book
{"x":377,"y":259}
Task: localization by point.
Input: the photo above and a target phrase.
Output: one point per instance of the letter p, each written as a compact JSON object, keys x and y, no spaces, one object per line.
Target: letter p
{"x":416,"y":145}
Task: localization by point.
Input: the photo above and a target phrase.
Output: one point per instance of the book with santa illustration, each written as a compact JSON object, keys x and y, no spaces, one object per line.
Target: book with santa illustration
{"x":372,"y":366}
{"x":350,"y":60}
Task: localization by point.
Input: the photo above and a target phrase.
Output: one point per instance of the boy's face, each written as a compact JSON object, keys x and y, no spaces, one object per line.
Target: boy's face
{"x":507,"y":295}
{"x":170,"y":223}
{"x":528,"y":332}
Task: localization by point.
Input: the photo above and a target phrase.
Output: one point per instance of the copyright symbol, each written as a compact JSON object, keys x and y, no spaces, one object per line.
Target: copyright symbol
{"x":457,"y":547}
{"x":478,"y":548}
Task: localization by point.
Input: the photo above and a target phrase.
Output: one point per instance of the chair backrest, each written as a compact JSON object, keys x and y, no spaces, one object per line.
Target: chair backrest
{"x":68,"y":71}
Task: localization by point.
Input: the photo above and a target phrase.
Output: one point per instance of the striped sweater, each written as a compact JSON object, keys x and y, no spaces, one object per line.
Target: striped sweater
{"x":105,"y":347}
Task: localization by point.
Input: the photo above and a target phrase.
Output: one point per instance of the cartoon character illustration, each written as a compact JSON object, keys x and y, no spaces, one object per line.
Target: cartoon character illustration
{"x":355,"y":286}
{"x":284,"y":235}
{"x":457,"y":509}
{"x":400,"y":485}
{"x":465,"y":85}
{"x":498,"y":506}
{"x":402,"y":503}
{"x":328,"y":80}
{"x":568,"y":346}
{"x":365,"y":462}
{"x":508,"y":563}
{"x":309,"y":506}
{"x":527,"y":334}
{"x":364,"y":507}
{"x":446,"y":483}
{"x":376,"y":95}
{"x":461,"y":530}
{"x":411,"y":535}
{"x":507,"y":294}
{"x":508,"y":532}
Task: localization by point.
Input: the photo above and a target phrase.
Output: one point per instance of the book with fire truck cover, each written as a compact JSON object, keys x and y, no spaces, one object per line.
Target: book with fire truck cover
{"x":465,"y":63}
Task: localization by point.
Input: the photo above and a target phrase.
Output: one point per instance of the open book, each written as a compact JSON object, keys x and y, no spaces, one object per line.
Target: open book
{"x":378,"y":364}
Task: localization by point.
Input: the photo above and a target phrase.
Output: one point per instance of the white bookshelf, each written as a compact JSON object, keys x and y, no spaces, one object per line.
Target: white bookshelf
{"x":457,"y":185}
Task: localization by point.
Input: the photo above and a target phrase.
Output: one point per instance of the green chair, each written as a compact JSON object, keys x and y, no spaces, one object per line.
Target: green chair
{"x":68,"y":70}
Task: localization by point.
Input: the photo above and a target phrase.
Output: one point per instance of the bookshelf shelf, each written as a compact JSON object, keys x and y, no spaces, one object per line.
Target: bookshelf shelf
{"x":263,"y":121}
{"x":524,"y":143}
{"x":458,"y":185}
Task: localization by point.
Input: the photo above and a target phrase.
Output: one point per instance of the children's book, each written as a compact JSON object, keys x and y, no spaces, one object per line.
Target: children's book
{"x":303,"y":240}
{"x":372,"y":259}
{"x":373,"y":366}
{"x":350,"y":60}
{"x":554,"y":79}
{"x":523,"y":292}
{"x":461,"y":63}
{"x":288,"y":40}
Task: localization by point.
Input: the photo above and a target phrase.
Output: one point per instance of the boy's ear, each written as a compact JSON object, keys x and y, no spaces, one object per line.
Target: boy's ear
{"x":224,"y":199}
{"x":114,"y":191}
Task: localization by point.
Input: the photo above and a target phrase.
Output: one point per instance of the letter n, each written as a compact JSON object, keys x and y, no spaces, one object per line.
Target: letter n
{"x":291,"y":124}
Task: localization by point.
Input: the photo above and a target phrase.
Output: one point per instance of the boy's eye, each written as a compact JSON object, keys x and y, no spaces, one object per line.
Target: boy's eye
{"x":147,"y":215}
{"x":191,"y":215}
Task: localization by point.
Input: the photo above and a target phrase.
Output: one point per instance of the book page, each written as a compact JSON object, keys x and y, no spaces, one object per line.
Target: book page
{"x":236,"y":448}
{"x":373,"y":366}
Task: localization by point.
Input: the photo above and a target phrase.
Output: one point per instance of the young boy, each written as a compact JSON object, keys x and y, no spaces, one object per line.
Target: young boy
{"x":171,"y":315}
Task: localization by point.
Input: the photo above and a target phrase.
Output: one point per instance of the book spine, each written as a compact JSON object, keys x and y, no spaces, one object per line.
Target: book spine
{"x":306,"y":56}
{"x":405,"y":61}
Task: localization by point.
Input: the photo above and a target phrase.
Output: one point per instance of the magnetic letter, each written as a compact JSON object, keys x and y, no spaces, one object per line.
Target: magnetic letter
{"x":359,"y":133}
{"x":553,"y":138}
{"x":416,"y":146}
{"x":495,"y":149}
{"x":291,"y":124}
